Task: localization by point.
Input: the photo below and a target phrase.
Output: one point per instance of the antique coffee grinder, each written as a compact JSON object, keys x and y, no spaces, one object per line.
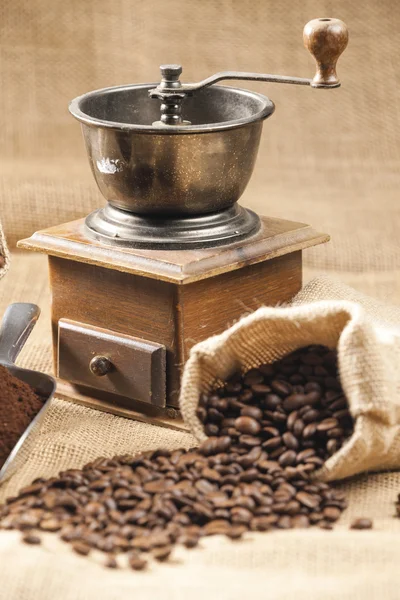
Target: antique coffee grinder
{"x":172,"y":258}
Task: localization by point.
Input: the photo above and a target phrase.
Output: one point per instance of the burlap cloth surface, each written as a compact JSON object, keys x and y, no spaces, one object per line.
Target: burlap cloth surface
{"x":303,"y":564}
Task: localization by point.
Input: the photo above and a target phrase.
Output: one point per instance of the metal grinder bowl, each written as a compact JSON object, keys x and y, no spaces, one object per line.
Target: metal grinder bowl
{"x":175,"y":171}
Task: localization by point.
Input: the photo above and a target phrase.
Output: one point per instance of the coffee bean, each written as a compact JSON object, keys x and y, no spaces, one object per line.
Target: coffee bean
{"x":81,"y":548}
{"x":308,"y":500}
{"x":290,"y":440}
{"x":300,"y":522}
{"x":253,"y":377}
{"x":342,"y":414}
{"x":298,"y":427}
{"x":249,"y":475}
{"x":327,"y":424}
{"x":311,"y":386}
{"x":235,"y":532}
{"x":252,"y":411}
{"x":246,"y":396}
{"x":250,"y":440}
{"x":311,"y":415}
{"x":50,"y":524}
{"x":331,"y":513}
{"x":260,"y":389}
{"x":162,"y":553}
{"x":335,"y":432}
{"x":209,"y":446}
{"x":234,"y":387}
{"x":30,"y":538}
{"x":361,"y":523}
{"x":325,"y":525}
{"x":271,"y":402}
{"x":312,"y":397}
{"x":247,"y":425}
{"x":137,"y":564}
{"x":272,"y":443}
{"x":111,"y":562}
{"x":201,"y":413}
{"x":294,"y":402}
{"x":284,"y":522}
{"x":214,"y":415}
{"x":292,"y":419}
{"x":332,"y":446}
{"x":211,"y":429}
{"x":304,"y":454}
{"x":339,"y":403}
{"x":281,"y":387}
{"x":260,"y":524}
{"x":249,"y":459}
{"x":189,"y":541}
{"x":204,"y":486}
{"x":211,"y":474}
{"x":309,"y":430}
{"x":275,"y":454}
{"x":288,"y":458}
{"x":271,"y":432}
{"x":314,"y":460}
{"x":279,"y":418}
{"x":217,"y":527}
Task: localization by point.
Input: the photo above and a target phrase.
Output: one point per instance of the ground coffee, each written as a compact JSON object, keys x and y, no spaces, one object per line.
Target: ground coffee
{"x":19,"y":404}
{"x":270,"y":430}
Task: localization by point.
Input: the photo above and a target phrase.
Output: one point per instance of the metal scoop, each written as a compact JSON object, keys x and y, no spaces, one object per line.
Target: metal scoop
{"x":18,"y":322}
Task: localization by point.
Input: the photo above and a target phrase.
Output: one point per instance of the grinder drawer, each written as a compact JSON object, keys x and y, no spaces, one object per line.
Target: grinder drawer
{"x":113,"y":362}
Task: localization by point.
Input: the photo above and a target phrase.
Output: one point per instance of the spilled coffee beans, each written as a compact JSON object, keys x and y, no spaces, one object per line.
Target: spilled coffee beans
{"x":270,"y":429}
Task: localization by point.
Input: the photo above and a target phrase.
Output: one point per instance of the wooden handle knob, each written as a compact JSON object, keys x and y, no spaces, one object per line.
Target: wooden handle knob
{"x":326,"y":39}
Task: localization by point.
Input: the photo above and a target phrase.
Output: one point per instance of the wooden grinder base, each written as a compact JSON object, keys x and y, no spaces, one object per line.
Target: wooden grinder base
{"x":144,"y":309}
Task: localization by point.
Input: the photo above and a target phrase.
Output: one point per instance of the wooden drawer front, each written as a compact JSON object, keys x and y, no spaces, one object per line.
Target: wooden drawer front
{"x":113,"y":362}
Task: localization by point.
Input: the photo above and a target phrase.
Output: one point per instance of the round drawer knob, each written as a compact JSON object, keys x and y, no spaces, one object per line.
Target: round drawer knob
{"x":100,"y":365}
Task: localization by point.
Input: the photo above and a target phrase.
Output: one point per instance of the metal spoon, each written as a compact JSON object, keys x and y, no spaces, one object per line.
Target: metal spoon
{"x":18,"y":322}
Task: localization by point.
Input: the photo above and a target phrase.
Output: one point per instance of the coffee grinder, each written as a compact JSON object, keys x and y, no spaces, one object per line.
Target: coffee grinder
{"x":172,"y":258}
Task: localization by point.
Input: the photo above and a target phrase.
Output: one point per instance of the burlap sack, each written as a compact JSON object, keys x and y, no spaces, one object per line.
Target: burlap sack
{"x":369,"y":358}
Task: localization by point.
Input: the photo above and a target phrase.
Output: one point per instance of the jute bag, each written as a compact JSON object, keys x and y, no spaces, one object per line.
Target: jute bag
{"x":367,"y":337}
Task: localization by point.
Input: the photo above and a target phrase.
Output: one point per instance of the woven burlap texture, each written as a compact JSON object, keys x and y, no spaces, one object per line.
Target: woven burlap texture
{"x":368,"y":357}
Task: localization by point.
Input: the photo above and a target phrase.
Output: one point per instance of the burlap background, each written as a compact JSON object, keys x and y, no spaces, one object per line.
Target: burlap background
{"x":330,"y":159}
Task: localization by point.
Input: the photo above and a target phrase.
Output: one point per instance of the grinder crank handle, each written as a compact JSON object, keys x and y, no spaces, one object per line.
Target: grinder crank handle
{"x":325,"y":39}
{"x":18,"y":322}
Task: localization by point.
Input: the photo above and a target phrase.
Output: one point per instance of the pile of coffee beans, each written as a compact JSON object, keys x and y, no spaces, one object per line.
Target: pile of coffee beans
{"x":270,"y":429}
{"x":294,"y":409}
